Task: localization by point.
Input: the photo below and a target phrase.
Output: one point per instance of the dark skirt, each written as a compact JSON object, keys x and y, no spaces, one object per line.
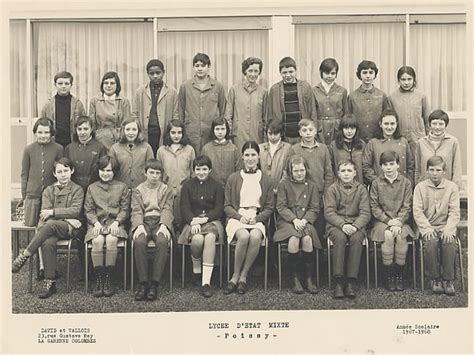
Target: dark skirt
{"x":286,"y":230}
{"x":214,"y":227}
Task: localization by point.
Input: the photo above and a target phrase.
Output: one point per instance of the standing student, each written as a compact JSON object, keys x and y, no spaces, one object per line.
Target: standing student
{"x":439,"y":143}
{"x":63,"y":108}
{"x":246,"y":105}
{"x":411,"y":106}
{"x":202,"y":207}
{"x":85,"y":152}
{"x":248,"y":204}
{"x":298,"y":207}
{"x":151,"y":219}
{"x":367,"y":102}
{"x":274,"y":153}
{"x":155,"y":104}
{"x":109,"y":109}
{"x":387,"y":139}
{"x":60,"y":209}
{"x":176,"y":156}
{"x":291,"y":100}
{"x":224,"y":155}
{"x":391,"y":203}
{"x":37,"y":171}
{"x":347,"y":145}
{"x":331,"y":100}
{"x":200,"y":100}
{"x":106,"y":208}
{"x":437,"y":213}
{"x":347,"y":212}
{"x":130,"y":154}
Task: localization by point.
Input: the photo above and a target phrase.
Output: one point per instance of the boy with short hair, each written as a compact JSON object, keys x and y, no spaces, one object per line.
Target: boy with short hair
{"x":367,"y":102}
{"x":291,"y":100}
{"x":63,"y":108}
{"x":155,"y":104}
{"x":436,"y":212}
{"x":200,"y":101}
{"x":151,"y":218}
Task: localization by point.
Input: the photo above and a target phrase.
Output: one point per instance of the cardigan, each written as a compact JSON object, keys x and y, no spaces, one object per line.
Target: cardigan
{"x":371,"y":157}
{"x":225,"y":158}
{"x":203,"y":199}
{"x":246,"y":113}
{"x":108,"y":116}
{"x":232,"y":197}
{"x":306,"y":101}
{"x":77,"y":109}
{"x":37,"y":167}
{"x":85,"y":159}
{"x":436,"y":208}
{"x":346,"y":206}
{"x":449,"y":150}
{"x":131,"y":162}
{"x":167,"y":107}
{"x":165,"y":198}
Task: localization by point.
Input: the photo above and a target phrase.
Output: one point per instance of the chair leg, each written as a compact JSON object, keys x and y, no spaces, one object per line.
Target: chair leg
{"x":317,"y":268}
{"x":413,"y":252}
{"x":228,"y":262}
{"x":86,"y":266}
{"x":279,"y":266}
{"x":171,"y":265}
{"x":266,"y":265}
{"x":422,"y":267}
{"x":375,"y":266}
{"x":461,"y":267}
{"x":69,"y":244}
{"x":220,"y":265}
{"x":183,"y":255}
{"x":367,"y":261}
{"x":329,"y":262}
{"x":132,"y":264}
{"x":125,"y":266}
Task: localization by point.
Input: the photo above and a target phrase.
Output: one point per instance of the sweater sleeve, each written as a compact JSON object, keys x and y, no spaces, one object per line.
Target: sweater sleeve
{"x":25,"y":171}
{"x":264,"y":115}
{"x":185,"y":202}
{"x":377,"y":210}
{"x":282,"y":203}
{"x":137,"y":210}
{"x":421,"y":220}
{"x":330,"y":208}
{"x":221,"y":99}
{"x":364,"y":209}
{"x":182,"y":102}
{"x":122,"y":216}
{"x":90,"y":208}
{"x":174,"y":105}
{"x":229,"y":110}
{"x":74,"y":209}
{"x":368,"y":161}
{"x":229,"y":210}
{"x":269,"y":202}
{"x":313,"y":209}
{"x":167,"y":217}
{"x":410,"y":163}
{"x":47,"y":198}
{"x":126,"y":110}
{"x":405,"y":210}
{"x":457,"y":166}
{"x":453,"y":212}
{"x":216,"y":212}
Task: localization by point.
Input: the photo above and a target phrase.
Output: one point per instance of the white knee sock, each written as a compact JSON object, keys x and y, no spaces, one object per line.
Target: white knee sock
{"x":196,"y":265}
{"x":207,"y":273}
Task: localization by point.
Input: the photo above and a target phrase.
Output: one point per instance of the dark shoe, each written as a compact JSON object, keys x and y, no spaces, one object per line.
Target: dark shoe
{"x":49,"y":289}
{"x":141,"y":294}
{"x":206,"y":290}
{"x":310,"y":287}
{"x":338,"y":291}
{"x":108,"y":291}
{"x":152,"y":292}
{"x":229,"y":288}
{"x":391,"y":283}
{"x":196,"y":279}
{"x":18,"y":263}
{"x":437,"y":287}
{"x":99,"y":284}
{"x":350,"y":293}
{"x":399,"y":282}
{"x":297,"y":287}
{"x":448,"y":287}
{"x":40,"y":276}
{"x":242,"y":287}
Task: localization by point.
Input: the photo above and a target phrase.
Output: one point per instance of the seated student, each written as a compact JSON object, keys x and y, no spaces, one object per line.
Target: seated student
{"x":331,"y":100}
{"x":155,"y":104}
{"x":439,"y":143}
{"x":63,"y":108}
{"x":249,"y":203}
{"x":224,"y":155}
{"x":390,"y":203}
{"x":436,"y":212}
{"x":291,"y":100}
{"x":200,"y":100}
{"x":367,"y":102}
{"x":60,"y":209}
{"x":298,"y":207}
{"x":202,"y":207}
{"x":106,"y":208}
{"x":274,"y":154}
{"x":151,"y":218}
{"x":347,"y":212}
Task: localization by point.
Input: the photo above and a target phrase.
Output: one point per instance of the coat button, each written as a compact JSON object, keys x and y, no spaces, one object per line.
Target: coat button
{"x":304,"y":196}
{"x":303,"y":209}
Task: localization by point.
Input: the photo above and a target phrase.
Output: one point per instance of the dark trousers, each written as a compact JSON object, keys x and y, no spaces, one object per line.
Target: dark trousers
{"x":340,"y":240}
{"x":432,"y":262}
{"x":46,"y":238}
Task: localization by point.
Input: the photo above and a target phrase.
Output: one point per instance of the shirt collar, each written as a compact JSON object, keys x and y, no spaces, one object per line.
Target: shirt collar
{"x":397,"y":178}
{"x":315,"y":145}
{"x":326,"y":86}
{"x":364,"y":90}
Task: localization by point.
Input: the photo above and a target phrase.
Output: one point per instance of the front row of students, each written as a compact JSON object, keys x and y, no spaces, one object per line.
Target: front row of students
{"x":248,"y":203}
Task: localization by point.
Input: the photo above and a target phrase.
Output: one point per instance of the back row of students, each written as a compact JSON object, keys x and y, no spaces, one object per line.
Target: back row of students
{"x":248,"y":106}
{"x":176,"y":162}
